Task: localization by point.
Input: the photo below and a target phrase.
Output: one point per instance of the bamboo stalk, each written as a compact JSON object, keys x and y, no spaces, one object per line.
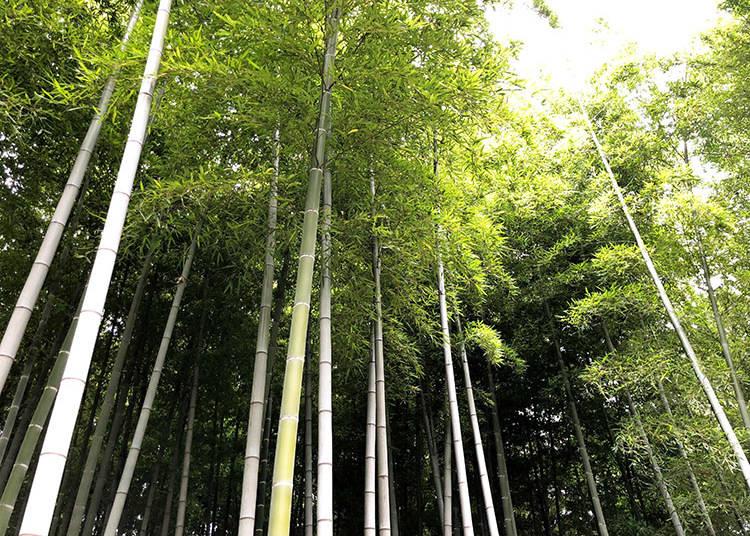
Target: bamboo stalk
{"x":283,"y":474}
{"x":706,"y":385}
{"x":148,"y":402}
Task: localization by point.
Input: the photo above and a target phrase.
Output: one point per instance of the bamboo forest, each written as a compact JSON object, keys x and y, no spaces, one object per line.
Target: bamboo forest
{"x":306,"y":267}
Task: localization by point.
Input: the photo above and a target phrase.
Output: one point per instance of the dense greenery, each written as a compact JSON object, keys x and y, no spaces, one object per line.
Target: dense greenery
{"x":471,"y":170}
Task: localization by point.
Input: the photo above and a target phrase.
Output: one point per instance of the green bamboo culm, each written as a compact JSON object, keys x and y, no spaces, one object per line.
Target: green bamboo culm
{"x":283,"y":469}
{"x":34,"y":429}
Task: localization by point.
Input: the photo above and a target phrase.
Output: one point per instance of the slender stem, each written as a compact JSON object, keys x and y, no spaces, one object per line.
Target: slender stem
{"x":148,"y":402}
{"x":27,"y":300}
{"x":477,"y":436}
{"x":261,"y":369}
{"x":286,"y":444}
{"x":687,"y":347}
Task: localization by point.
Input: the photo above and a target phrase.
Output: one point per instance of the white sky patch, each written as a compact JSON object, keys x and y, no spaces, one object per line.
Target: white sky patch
{"x":595,"y":32}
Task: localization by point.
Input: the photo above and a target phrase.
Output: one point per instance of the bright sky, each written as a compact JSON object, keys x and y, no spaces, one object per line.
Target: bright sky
{"x":593,"y":32}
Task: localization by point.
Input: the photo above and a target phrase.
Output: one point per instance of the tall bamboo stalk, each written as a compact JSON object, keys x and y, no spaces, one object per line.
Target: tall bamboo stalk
{"x":46,"y":485}
{"x":723,"y":340}
{"x":27,"y":300}
{"x":34,"y":430}
{"x":273,"y":349}
{"x":391,"y":475}
{"x":481,"y":463}
{"x":381,"y":432}
{"x":687,"y":347}
{"x":169,"y":496}
{"x":370,"y":523}
{"x":578,"y":429}
{"x":434,"y":462}
{"x":450,"y":381}
{"x":148,"y":403}
{"x":660,"y":482}
{"x":153,"y":484}
{"x":325,"y":366}
{"x":309,"y":518}
{"x":102,"y":478}
{"x":691,"y":474}
{"x":447,"y":483}
{"x":179,"y":529}
{"x":283,"y":474}
{"x":509,"y":518}
{"x":105,"y":410}
{"x":261,"y":369}
{"x":658,"y":475}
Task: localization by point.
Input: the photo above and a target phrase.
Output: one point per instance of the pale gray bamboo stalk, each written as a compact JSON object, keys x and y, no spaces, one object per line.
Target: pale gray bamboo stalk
{"x":23,"y":381}
{"x":185,"y":476}
{"x":325,"y":367}
{"x":370,"y":522}
{"x":101,"y":479}
{"x":286,"y":444}
{"x":448,"y":483}
{"x":434,"y":462}
{"x":578,"y":429}
{"x":34,"y":430}
{"x":658,"y":475}
{"x":450,"y":381}
{"x":20,"y":393}
{"x":687,"y":347}
{"x":391,"y":476}
{"x":660,"y":483}
{"x":723,"y":340}
{"x":27,"y":300}
{"x":140,"y":430}
{"x":509,"y":518}
{"x":108,"y":403}
{"x":261,"y":370}
{"x":143,"y":531}
{"x":478,"y":447}
{"x":691,"y":475}
{"x":381,"y":433}
{"x":46,"y":485}
{"x":309,"y":507}
{"x":273,"y":348}
{"x":168,"y":499}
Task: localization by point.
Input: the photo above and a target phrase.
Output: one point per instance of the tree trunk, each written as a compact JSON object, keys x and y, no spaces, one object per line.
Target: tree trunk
{"x":325,"y":366}
{"x":105,"y":411}
{"x":184,"y":478}
{"x":283,"y":475}
{"x":261,"y":368}
{"x":370,"y":525}
{"x":478,"y":447}
{"x":509,"y":517}
{"x":148,"y":402}
{"x":687,"y":347}
{"x":590,"y":480}
{"x":45,"y":487}
{"x":24,"y":307}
